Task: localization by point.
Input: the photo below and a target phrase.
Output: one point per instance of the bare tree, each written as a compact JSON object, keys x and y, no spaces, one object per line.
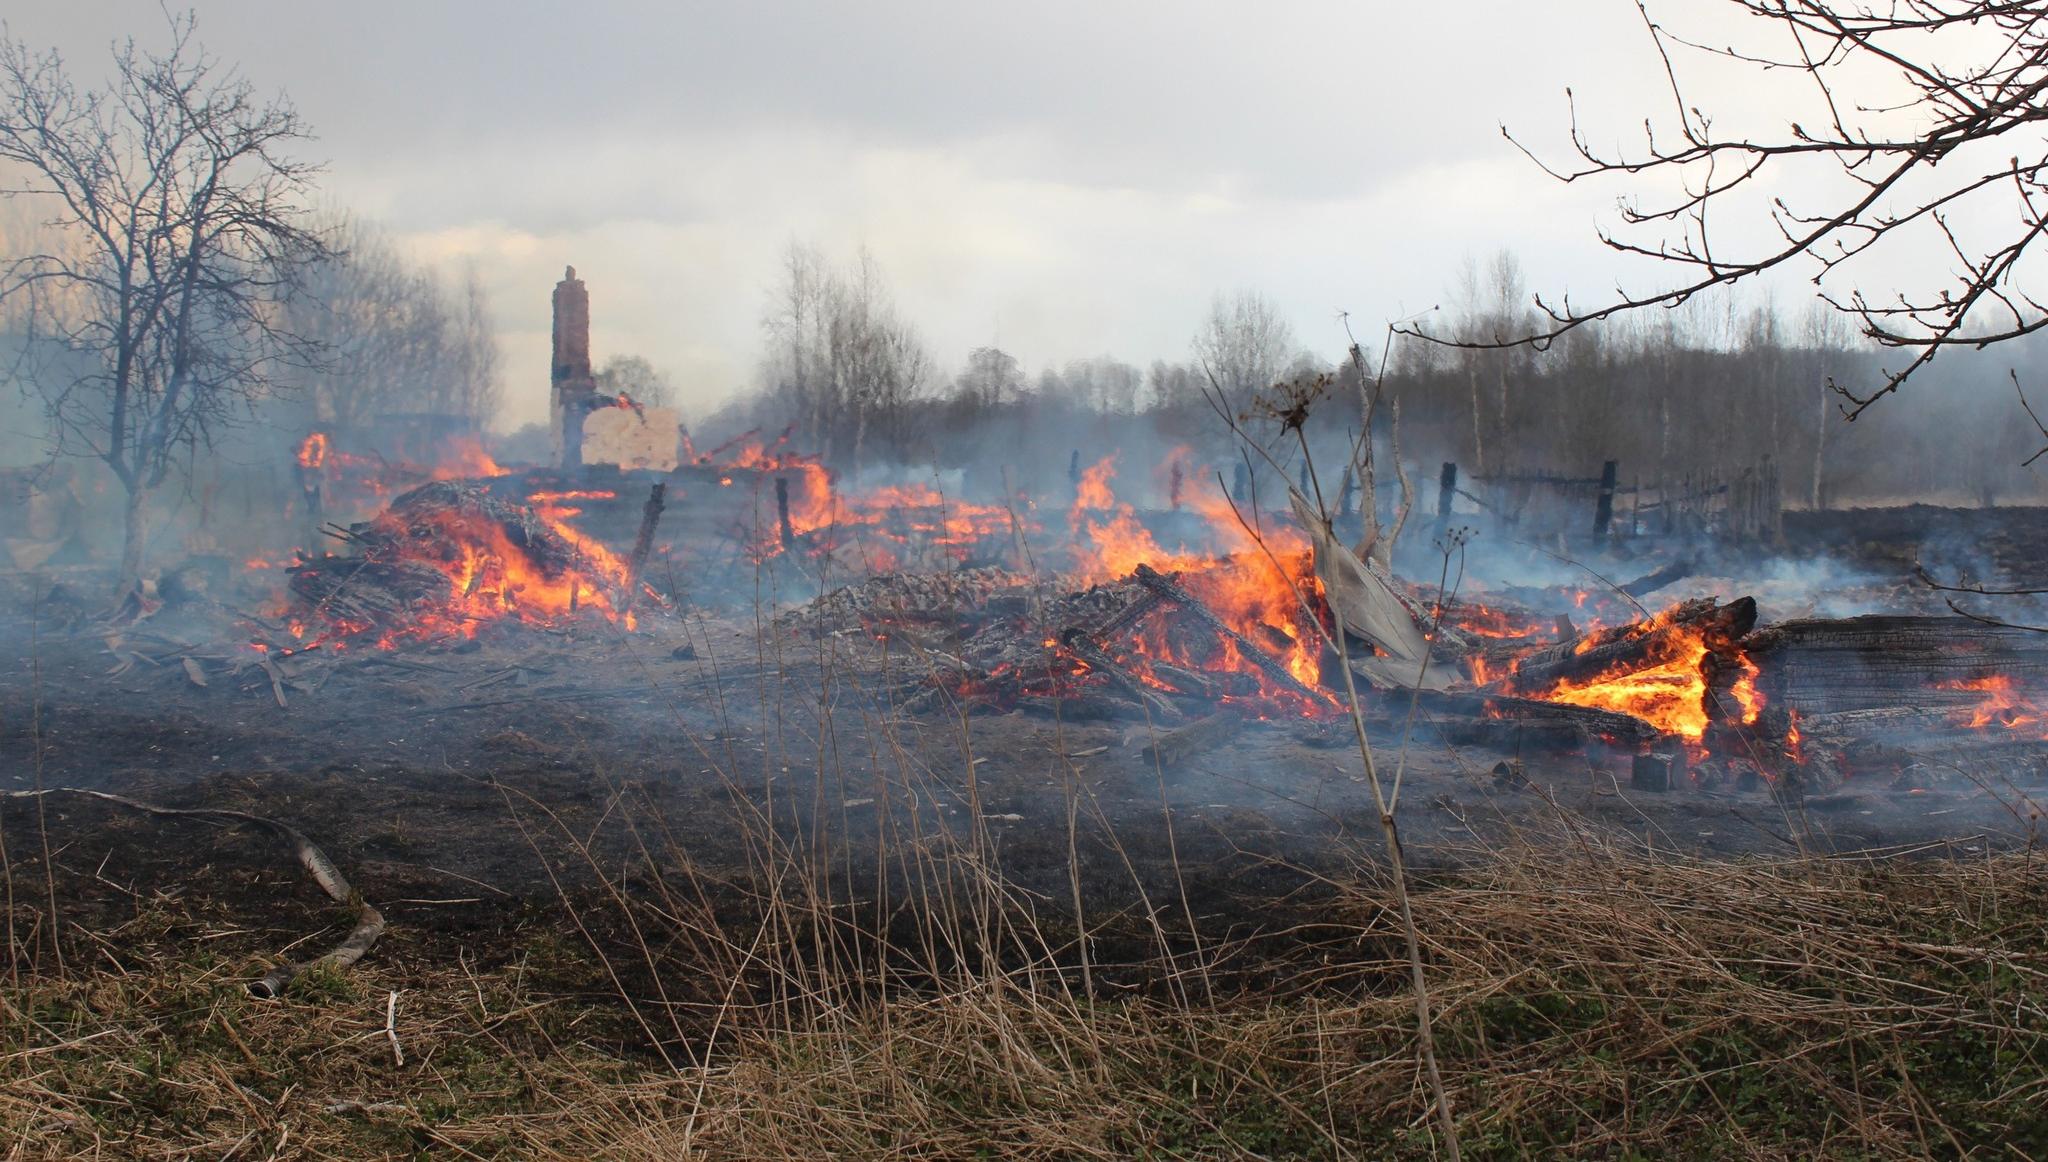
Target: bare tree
{"x":179,"y":228}
{"x":1848,"y":181}
{"x":991,"y":377}
{"x":840,"y":358}
{"x":391,"y":337}
{"x":1244,"y":343}
{"x":634,"y":376}
{"x":794,"y":322}
{"x":477,"y":379}
{"x":1491,"y":307}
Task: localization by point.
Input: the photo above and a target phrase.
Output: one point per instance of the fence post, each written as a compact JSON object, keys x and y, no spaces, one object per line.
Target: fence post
{"x":1603,"y":508}
{"x":1446,"y":491}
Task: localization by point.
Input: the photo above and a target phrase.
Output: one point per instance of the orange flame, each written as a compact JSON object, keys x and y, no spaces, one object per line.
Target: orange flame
{"x":1253,"y":588}
{"x":467,"y":460}
{"x":2002,"y":706}
{"x":1669,"y":690}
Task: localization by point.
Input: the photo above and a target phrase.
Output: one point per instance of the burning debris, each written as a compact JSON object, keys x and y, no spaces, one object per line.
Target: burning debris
{"x":448,"y":557}
{"x":963,"y":600}
{"x":1148,"y":643}
{"x":1211,"y":614}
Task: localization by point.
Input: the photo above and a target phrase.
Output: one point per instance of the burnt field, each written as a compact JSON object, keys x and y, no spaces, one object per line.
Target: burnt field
{"x":424,"y":757}
{"x":675,"y":802}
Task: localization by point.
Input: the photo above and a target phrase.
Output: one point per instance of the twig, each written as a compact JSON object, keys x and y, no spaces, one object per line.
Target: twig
{"x":369,"y":921}
{"x":391,"y":1026}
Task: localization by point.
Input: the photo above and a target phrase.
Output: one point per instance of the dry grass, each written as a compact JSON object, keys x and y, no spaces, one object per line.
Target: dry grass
{"x":1594,"y":1003}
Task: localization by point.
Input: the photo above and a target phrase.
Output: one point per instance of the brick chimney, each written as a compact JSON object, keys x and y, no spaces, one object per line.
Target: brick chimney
{"x":573,"y":386}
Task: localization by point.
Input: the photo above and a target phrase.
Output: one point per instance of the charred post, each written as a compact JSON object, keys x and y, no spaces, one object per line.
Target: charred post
{"x":1446,"y":492}
{"x":1657,"y":771}
{"x":643,"y":544}
{"x":788,"y":530}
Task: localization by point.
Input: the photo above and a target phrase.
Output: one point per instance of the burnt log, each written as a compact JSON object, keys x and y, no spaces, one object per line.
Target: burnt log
{"x":1950,"y":734}
{"x":1503,"y":720}
{"x":1638,"y":646}
{"x":1825,"y":666}
{"x":1144,"y":603}
{"x":1076,"y":643}
{"x":1657,"y":579}
{"x":1152,"y":579}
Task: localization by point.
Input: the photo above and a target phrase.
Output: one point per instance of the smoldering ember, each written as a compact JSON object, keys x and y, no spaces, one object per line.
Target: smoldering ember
{"x":1541,"y":734}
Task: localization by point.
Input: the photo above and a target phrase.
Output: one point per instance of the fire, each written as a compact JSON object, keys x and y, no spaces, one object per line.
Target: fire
{"x":492,"y":578}
{"x":2002,"y":706}
{"x":1670,"y":695}
{"x":920,"y":514}
{"x":1484,"y":621}
{"x":313,"y":450}
{"x":1669,"y":687}
{"x":1252,"y":587}
{"x":1093,"y":492}
{"x":1745,"y":692}
{"x":466,"y":459}
{"x":492,"y":574}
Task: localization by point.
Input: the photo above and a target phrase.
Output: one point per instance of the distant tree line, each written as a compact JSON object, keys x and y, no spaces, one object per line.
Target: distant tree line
{"x":389,"y":335}
{"x":1716,"y":384}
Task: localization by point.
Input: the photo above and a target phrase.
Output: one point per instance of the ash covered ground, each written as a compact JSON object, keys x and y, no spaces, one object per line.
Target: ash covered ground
{"x":494,"y":779}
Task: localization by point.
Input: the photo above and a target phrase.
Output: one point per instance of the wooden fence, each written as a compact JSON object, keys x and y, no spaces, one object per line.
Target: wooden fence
{"x":1738,"y":504}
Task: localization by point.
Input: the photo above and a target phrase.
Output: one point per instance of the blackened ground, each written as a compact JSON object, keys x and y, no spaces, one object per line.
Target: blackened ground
{"x":700,"y":768}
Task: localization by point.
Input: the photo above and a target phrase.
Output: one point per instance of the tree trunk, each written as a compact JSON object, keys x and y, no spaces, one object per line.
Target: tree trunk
{"x":135,"y":533}
{"x":1384,"y":545}
{"x":1820,"y":449}
{"x":1478,"y":420}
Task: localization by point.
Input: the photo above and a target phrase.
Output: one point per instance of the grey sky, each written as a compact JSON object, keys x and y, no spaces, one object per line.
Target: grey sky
{"x":1067,"y":179}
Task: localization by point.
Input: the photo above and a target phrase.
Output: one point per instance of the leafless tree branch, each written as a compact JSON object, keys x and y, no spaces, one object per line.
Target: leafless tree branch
{"x":1964,"y":145}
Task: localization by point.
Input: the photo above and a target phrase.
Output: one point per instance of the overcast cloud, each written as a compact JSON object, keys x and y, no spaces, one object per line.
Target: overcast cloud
{"x":1066,"y":179}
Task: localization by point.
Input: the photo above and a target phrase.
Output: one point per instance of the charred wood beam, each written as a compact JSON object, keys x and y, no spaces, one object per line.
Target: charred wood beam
{"x":1152,"y":579}
{"x":644,"y":543}
{"x":1500,"y":718}
{"x":1128,"y":616}
{"x":1823,"y":666}
{"x":1657,"y":579}
{"x":1196,"y":684}
{"x":1075,"y":642}
{"x":1635,"y":647}
{"x":1951,"y":731}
